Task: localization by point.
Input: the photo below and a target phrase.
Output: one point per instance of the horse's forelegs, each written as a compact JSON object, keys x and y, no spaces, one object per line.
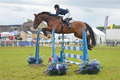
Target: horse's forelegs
{"x":44,"y":32}
{"x":46,"y":29}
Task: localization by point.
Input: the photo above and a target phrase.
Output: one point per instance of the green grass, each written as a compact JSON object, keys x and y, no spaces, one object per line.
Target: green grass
{"x":14,"y":66}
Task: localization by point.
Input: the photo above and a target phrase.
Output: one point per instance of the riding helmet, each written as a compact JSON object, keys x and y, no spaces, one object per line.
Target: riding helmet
{"x":56,"y":6}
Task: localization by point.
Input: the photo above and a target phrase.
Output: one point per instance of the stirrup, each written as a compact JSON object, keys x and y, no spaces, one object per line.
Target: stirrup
{"x":69,"y":26}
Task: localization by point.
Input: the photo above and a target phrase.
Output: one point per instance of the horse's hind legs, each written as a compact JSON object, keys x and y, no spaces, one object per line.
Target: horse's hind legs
{"x":88,"y":40}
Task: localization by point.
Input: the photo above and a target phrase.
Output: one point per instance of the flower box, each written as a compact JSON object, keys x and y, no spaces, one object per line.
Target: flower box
{"x":62,"y":73}
{"x":90,"y":67}
{"x":30,"y":62}
{"x":56,"y":67}
{"x":53,"y":73}
{"x":32,"y":59}
{"x":56,"y":73}
{"x":95,"y":71}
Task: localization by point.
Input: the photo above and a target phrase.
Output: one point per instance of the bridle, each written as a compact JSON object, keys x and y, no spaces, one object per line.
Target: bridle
{"x":37,"y":24}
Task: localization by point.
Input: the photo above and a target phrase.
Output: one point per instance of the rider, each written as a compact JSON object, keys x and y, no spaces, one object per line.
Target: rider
{"x":64,"y":12}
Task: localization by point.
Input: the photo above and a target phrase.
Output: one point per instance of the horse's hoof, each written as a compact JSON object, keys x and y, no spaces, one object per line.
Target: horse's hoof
{"x":35,"y":28}
{"x":92,"y":46}
{"x":89,"y":48}
{"x":48,"y":36}
{"x":45,"y":33}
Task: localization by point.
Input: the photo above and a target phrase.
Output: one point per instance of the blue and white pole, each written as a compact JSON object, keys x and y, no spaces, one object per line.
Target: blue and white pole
{"x":62,"y":52}
{"x":53,"y":48}
{"x":37,"y":49}
{"x":85,"y":48}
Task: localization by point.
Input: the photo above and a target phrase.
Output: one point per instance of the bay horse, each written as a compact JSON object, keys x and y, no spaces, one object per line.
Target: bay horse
{"x":54,"y":21}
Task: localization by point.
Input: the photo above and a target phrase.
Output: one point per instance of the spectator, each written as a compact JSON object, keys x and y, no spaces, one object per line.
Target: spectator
{"x":15,"y":37}
{"x":11,"y":37}
{"x":76,"y":43}
{"x":20,"y":38}
{"x":35,"y":41}
{"x":50,"y":41}
{"x":15,"y":42}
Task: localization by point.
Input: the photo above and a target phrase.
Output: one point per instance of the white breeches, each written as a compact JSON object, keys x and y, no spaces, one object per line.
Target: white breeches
{"x":66,"y":16}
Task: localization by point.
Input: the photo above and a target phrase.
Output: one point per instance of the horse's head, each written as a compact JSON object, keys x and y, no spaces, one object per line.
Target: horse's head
{"x":37,"y":21}
{"x":43,"y":16}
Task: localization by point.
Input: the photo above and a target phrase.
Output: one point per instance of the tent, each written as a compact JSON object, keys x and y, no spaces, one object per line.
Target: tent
{"x":100,"y":36}
{"x":5,"y":34}
{"x":15,"y":32}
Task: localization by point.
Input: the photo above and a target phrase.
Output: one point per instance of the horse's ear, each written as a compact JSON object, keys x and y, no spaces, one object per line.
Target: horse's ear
{"x":35,"y":14}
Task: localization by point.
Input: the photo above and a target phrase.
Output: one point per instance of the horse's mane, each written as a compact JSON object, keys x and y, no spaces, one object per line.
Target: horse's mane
{"x":48,"y":13}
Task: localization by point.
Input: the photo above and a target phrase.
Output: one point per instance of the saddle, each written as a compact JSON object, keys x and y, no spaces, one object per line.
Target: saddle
{"x":69,"y":19}
{"x":64,"y":23}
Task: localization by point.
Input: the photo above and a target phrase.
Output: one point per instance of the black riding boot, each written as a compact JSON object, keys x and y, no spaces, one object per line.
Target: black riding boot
{"x":68,"y":24}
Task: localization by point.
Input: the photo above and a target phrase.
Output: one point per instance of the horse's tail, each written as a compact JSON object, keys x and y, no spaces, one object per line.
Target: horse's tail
{"x":92,"y":34}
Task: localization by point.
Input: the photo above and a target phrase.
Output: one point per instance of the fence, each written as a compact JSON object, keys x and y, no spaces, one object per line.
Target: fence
{"x":16,"y":43}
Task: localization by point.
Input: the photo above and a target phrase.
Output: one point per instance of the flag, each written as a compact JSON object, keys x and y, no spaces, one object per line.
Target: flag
{"x":111,"y":26}
{"x":105,"y":24}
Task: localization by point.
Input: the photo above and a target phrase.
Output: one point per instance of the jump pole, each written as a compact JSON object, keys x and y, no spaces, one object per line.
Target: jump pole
{"x":53,"y":41}
{"x":37,"y":49}
{"x":85,"y":48}
{"x":37,"y":46}
{"x":62,"y":52}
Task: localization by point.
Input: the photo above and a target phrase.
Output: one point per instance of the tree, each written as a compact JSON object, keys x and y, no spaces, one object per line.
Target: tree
{"x":101,"y":27}
{"x":114,"y":27}
{"x":29,"y":20}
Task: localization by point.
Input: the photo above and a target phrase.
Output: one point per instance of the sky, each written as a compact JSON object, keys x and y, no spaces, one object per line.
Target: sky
{"x":93,"y":12}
